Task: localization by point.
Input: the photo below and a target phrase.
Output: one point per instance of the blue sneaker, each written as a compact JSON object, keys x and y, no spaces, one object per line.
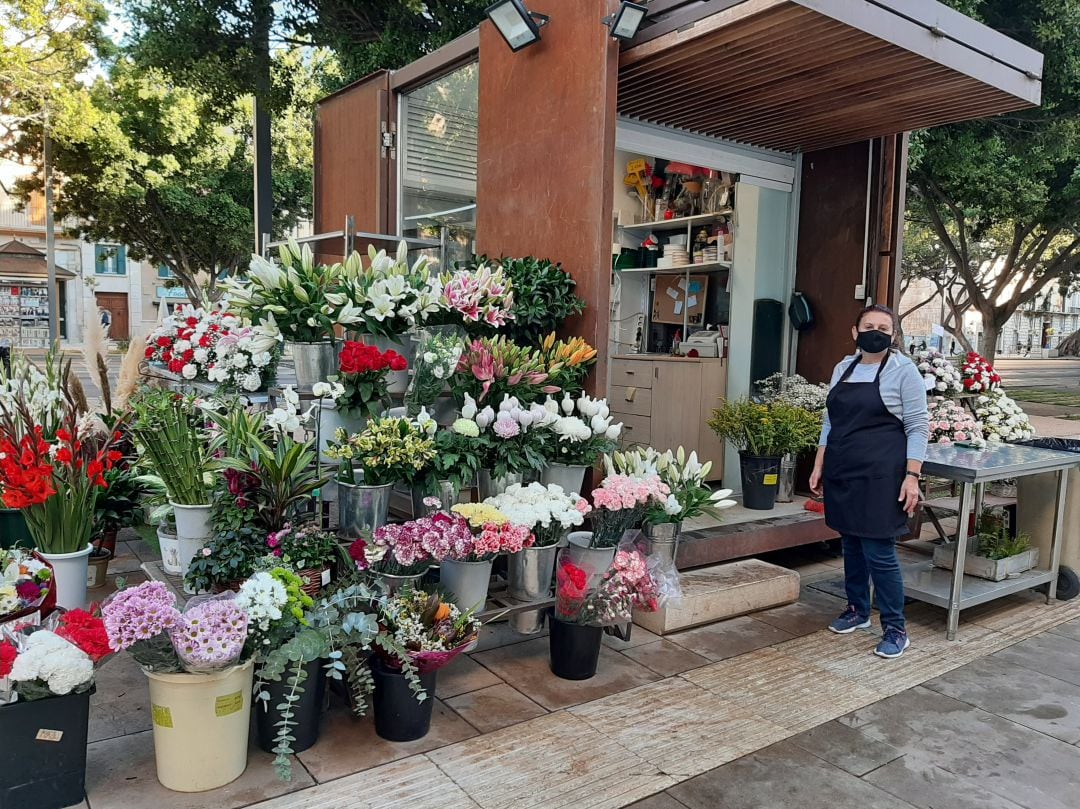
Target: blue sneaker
{"x":893,"y":644}
{"x":849,"y":621}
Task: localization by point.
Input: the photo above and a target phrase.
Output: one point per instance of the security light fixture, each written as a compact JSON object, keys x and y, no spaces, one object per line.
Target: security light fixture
{"x":518,"y":26}
{"x":625,"y":22}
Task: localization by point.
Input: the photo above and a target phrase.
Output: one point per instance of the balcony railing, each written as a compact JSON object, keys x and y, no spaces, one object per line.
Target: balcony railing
{"x":32,"y":217}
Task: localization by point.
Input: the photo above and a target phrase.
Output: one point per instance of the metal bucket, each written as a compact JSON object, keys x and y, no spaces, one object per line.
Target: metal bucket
{"x":362,"y":508}
{"x":529,"y":574}
{"x":397,"y":381}
{"x":488,"y":485}
{"x":663,"y":540}
{"x":314,"y":362}
{"x":447,"y":493}
{"x":468,"y":581}
{"x":785,"y":493}
{"x":570,"y":478}
{"x":594,"y":560}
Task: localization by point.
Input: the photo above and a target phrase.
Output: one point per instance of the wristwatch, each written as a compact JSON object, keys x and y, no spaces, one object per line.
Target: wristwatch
{"x":917,"y":475}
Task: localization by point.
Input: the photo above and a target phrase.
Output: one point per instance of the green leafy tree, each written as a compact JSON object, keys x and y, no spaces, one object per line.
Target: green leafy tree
{"x":162,"y":168}
{"x":1002,"y":195}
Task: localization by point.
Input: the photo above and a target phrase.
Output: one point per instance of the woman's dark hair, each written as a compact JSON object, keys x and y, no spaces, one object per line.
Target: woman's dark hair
{"x":885,"y":310}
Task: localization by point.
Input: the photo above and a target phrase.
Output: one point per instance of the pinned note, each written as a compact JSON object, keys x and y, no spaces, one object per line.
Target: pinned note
{"x":682,"y":284}
{"x":678,"y":307}
{"x":691,"y":302}
{"x":695,"y":288}
{"x":671,"y":293}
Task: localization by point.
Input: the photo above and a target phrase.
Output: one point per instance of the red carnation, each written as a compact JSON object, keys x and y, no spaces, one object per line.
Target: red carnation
{"x":87,"y":632}
{"x":164,"y":342}
{"x":8,"y":653}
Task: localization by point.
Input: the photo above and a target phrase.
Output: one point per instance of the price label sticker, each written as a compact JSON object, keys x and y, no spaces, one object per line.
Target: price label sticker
{"x":47,"y":735}
{"x":229,"y":704}
{"x":325,"y":577}
{"x":162,"y":716}
{"x":770,"y":480}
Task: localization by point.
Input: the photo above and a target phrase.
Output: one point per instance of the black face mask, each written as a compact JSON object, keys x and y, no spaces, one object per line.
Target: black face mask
{"x":873,"y":342}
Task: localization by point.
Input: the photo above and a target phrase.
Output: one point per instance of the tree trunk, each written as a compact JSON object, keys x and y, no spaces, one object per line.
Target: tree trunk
{"x":988,"y":343}
{"x":1070,"y":346}
{"x":961,"y":338}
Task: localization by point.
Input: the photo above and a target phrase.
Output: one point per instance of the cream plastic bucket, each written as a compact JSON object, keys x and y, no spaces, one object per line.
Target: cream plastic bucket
{"x":201,"y":724}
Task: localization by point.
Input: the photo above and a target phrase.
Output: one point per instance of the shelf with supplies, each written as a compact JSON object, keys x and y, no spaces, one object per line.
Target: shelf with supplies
{"x":679,"y":222}
{"x":683,"y":269}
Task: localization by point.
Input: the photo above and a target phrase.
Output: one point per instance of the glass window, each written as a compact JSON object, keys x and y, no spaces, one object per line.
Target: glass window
{"x":164,"y":271}
{"x":110,"y":259}
{"x":438,"y":125}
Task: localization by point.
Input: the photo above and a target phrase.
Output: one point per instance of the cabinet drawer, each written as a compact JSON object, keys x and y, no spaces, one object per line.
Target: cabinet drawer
{"x":631,"y":373}
{"x":631,"y":401}
{"x":636,"y":430}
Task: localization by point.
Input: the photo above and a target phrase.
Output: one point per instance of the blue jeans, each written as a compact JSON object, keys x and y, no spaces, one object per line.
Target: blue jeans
{"x":866,"y":559}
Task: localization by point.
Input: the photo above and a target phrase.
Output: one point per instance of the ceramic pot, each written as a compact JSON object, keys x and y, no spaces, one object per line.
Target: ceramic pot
{"x":70,"y":572}
{"x":362,"y":508}
{"x":170,"y":550}
{"x":193,"y":530}
{"x":570,"y":478}
{"x":97,"y":573}
{"x":467,"y":581}
{"x":314,"y":362}
{"x":663,"y":540}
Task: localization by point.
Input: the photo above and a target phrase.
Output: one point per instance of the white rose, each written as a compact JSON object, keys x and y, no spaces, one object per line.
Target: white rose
{"x":190,"y":371}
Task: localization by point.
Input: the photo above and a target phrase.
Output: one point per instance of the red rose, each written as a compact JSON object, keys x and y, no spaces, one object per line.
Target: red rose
{"x":397,"y":362}
{"x":149,"y":352}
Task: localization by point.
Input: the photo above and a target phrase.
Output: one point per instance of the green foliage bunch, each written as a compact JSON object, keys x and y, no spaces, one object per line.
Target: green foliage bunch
{"x":769,"y":430}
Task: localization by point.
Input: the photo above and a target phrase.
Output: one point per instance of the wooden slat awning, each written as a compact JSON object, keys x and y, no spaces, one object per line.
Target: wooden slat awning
{"x":800,"y":75}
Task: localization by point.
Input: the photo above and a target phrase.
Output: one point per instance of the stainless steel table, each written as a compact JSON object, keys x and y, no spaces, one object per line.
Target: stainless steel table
{"x":972,"y":469}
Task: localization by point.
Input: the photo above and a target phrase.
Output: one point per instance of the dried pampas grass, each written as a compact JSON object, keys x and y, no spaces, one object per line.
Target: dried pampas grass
{"x":129,"y":371}
{"x":95,"y":354}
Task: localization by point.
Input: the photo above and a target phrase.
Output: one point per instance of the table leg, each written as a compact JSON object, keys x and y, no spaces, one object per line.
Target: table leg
{"x":1055,"y":541}
{"x":966,"y":497}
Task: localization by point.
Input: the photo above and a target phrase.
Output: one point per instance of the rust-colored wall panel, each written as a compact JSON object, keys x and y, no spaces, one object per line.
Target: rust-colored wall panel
{"x":831,"y":252}
{"x":547,"y":134}
{"x":351,"y":172}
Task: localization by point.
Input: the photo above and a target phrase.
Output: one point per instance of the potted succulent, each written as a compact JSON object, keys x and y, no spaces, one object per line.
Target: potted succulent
{"x":582,"y":431}
{"x":764,"y":433}
{"x":432,"y":632}
{"x":200,"y":680}
{"x":388,"y":451}
{"x":46,"y":678}
{"x":549,"y":513}
{"x":587,"y":600}
{"x":301,"y":299}
{"x":170,"y":428}
{"x":619,"y":505}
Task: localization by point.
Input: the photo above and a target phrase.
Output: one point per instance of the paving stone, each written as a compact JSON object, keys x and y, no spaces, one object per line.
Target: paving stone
{"x":846,"y":748}
{"x":1043,"y":703}
{"x":121,"y":703}
{"x":125,"y":560}
{"x":813,"y":611}
{"x":349,"y":744}
{"x":414,"y":782}
{"x":666,"y":658}
{"x":525,"y":666}
{"x":495,"y":707}
{"x":717,"y":592}
{"x":130,"y":580}
{"x":662,"y":801}
{"x":783,"y":775}
{"x":1023,"y":614}
{"x":680,"y":728}
{"x":551,"y":762}
{"x":788,"y":692}
{"x":121,"y":774}
{"x":463,"y":675}
{"x":498,"y":634}
{"x":730,"y":638}
{"x":141,"y":548}
{"x":1048,"y":653}
{"x":639,"y":636}
{"x":926,"y":786}
{"x":1069,"y":629}
{"x":1009,"y":760}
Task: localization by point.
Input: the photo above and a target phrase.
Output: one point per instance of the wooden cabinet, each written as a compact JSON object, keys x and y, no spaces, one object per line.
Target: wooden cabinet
{"x":665,"y":401}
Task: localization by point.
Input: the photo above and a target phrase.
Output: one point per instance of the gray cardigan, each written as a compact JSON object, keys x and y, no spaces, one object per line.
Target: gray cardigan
{"x":903,"y":392}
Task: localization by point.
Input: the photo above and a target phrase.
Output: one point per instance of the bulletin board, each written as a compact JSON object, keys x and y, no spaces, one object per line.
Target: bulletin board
{"x":674,"y":294}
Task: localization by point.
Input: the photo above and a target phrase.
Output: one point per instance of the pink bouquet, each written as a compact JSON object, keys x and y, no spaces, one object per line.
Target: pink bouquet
{"x":620,"y":505}
{"x":951,"y":424}
{"x":627,"y":585}
{"x":478,"y":296}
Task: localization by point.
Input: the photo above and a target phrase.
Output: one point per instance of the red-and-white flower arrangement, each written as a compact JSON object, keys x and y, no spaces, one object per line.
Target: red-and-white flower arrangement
{"x":979,"y":375}
{"x":627,"y":584}
{"x":950,"y":424}
{"x":215,"y":346}
{"x":362,"y":372}
{"x":53,"y":659}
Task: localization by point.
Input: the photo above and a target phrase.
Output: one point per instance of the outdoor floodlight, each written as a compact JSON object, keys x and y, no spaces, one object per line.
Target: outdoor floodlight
{"x":625,"y":22}
{"x":518,"y":26}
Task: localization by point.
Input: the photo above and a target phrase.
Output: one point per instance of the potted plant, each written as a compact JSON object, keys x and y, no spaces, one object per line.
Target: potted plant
{"x":764,"y":433}
{"x":688,"y":497}
{"x":309,"y":551}
{"x":200,"y":680}
{"x":619,"y":505}
{"x":582,"y":431}
{"x":388,"y":451}
{"x":432,"y":632}
{"x":549,"y":513}
{"x":170,"y":427}
{"x":227,"y":560}
{"x":993,"y":553}
{"x":505,"y":441}
{"x":798,"y":392}
{"x":473,"y":535}
{"x":302,"y":300}
{"x":587,"y":600}
{"x":46,"y":678}
{"x":363,"y":374}
{"x":55,"y":480}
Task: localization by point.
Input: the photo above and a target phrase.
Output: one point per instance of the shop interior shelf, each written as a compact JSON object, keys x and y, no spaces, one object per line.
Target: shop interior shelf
{"x":953,"y":503}
{"x":679,"y":223}
{"x":710,"y":266}
{"x":924,"y":582}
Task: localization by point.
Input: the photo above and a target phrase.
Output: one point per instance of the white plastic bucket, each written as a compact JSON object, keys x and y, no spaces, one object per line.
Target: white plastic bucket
{"x":201,"y":724}
{"x":70,"y":571}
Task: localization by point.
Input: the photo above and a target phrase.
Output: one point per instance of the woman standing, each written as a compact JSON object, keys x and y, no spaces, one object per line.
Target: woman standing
{"x":869,"y":464}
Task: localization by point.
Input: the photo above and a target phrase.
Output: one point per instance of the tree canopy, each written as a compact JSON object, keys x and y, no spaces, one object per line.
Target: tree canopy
{"x":1002,"y":195}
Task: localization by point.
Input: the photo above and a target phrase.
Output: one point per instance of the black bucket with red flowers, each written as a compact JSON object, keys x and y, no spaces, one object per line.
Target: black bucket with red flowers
{"x":574,"y":648}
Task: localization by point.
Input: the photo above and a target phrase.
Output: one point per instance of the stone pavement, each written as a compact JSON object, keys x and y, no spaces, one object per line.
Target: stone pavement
{"x":701,"y":718}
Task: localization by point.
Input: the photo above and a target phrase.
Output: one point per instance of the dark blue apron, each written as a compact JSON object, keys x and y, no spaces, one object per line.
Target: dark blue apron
{"x":865,"y":461}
